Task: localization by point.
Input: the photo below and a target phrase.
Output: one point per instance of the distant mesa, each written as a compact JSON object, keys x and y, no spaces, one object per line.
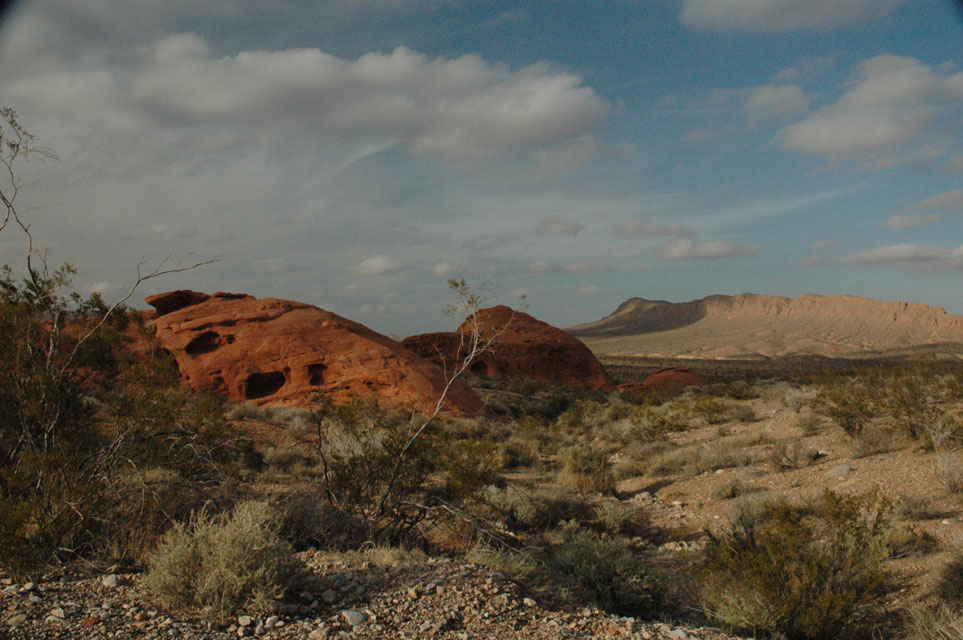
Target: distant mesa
{"x":279,"y":351}
{"x":524,"y":348}
{"x":677,"y":377}
{"x":751,"y":326}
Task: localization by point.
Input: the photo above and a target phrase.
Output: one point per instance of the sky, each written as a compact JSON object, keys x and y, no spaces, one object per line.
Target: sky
{"x":560,"y":156}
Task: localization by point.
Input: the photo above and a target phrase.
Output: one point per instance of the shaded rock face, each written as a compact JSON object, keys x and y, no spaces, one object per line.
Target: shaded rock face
{"x":279,"y":351}
{"x":524,"y":348}
{"x":674,"y":377}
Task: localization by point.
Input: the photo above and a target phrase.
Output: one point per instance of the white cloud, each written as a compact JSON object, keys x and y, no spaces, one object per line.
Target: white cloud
{"x":948,"y":200}
{"x":822,"y":245}
{"x":543,"y":266}
{"x":955,"y":164}
{"x":914,"y":255}
{"x":642,"y":229}
{"x":806,"y":69}
{"x":594,"y":290}
{"x":558,"y":226}
{"x":378,"y":266}
{"x":686,"y":249}
{"x":781,"y":15}
{"x":568,"y":156}
{"x":462,"y":108}
{"x":776,"y":101}
{"x":911,"y":221}
{"x":444,"y":270}
{"x":890,"y":99}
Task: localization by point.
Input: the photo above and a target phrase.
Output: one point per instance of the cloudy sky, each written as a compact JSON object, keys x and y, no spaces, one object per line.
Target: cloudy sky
{"x":355,"y":154}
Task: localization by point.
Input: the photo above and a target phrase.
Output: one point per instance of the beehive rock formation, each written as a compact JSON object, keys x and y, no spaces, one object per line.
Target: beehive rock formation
{"x":524,"y":348}
{"x":279,"y":351}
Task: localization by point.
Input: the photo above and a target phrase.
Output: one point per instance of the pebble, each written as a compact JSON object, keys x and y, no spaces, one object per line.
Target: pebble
{"x":111,"y":581}
{"x":354,"y":617}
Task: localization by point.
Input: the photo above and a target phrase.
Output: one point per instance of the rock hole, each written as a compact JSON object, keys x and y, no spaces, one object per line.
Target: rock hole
{"x":229,"y":339}
{"x":316,"y":374}
{"x":259,"y":385}
{"x":479,"y":368}
{"x":204,"y":343}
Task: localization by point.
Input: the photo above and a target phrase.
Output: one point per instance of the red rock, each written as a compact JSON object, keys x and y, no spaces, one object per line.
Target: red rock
{"x":524,"y":347}
{"x":674,"y":377}
{"x":279,"y":351}
{"x":89,"y":622}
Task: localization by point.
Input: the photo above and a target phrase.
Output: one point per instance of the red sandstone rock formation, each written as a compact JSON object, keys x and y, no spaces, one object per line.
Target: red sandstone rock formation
{"x":674,"y":377}
{"x":279,"y":351}
{"x":524,"y":347}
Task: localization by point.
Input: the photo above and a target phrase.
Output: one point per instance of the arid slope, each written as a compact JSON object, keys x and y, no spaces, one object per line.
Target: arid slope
{"x":760,"y":326}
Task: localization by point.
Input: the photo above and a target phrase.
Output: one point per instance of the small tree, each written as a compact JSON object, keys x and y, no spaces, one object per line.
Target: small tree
{"x":56,"y":463}
{"x":375,"y":464}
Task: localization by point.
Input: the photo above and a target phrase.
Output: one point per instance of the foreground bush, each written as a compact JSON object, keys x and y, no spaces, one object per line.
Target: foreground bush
{"x":583,"y":566}
{"x":805,"y":578}
{"x":224,"y":564}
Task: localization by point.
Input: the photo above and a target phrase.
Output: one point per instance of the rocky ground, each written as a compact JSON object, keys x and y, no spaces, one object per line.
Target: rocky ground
{"x":433,"y":599}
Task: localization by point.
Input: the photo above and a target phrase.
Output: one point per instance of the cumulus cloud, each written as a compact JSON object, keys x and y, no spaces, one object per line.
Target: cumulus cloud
{"x":463,"y":108}
{"x":918,"y":256}
{"x":686,"y":249}
{"x":642,"y":229}
{"x":911,"y":221}
{"x":889,"y":100}
{"x":558,"y":226}
{"x":781,"y":15}
{"x":378,"y":266}
{"x":776,"y":101}
{"x":948,"y":200}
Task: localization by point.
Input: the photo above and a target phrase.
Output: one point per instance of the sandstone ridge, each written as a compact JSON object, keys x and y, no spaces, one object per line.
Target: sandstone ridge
{"x":524,"y":347}
{"x":761,"y":326}
{"x":280,"y":351}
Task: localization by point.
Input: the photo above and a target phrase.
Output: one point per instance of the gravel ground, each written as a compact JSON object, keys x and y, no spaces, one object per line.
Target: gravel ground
{"x":435,"y":599}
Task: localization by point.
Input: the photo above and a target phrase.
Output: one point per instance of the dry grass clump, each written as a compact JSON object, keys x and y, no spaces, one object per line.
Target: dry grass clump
{"x":696,"y":459}
{"x":731,"y":488}
{"x":949,"y":470}
{"x":790,"y":453}
{"x":223,"y":564}
{"x":942,"y":623}
{"x":587,"y":468}
{"x":915,"y":508}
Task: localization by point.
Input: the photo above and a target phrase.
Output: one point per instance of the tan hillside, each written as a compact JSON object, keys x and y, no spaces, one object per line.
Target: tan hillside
{"x":760,"y":326}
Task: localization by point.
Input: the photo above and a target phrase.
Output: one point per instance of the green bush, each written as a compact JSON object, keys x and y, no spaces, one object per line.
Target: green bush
{"x":586,"y":467}
{"x":805,"y":579}
{"x":850,"y":401}
{"x":585,"y":567}
{"x":220,"y":565}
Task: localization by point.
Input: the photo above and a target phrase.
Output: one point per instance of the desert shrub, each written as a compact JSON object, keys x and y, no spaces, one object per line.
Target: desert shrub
{"x":797,"y":399}
{"x":283,"y":458}
{"x":586,"y":467}
{"x":808,"y":424}
{"x":850,"y":401}
{"x":791,"y":453}
{"x":942,"y":623}
{"x":306,"y":520}
{"x":913,"y":396}
{"x":470,"y":464}
{"x":805,"y":580}
{"x":243,"y":411}
{"x":616,"y":518}
{"x":915,"y":508}
{"x":949,"y":470}
{"x":711,"y":409}
{"x":942,"y":432}
{"x":696,"y":459}
{"x":224,"y":564}
{"x":374,"y":470}
{"x":873,"y":441}
{"x":533,"y":511}
{"x":583,"y":566}
{"x":731,"y":488}
{"x":518,"y":452}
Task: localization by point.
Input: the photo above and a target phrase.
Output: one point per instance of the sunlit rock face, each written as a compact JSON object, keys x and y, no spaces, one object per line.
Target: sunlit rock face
{"x":280,"y":351}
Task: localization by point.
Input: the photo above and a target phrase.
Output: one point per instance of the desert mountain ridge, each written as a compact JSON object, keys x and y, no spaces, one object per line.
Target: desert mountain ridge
{"x":753,"y":326}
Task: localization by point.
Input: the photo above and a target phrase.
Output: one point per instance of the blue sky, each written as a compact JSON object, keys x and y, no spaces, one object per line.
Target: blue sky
{"x":355,"y":154}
